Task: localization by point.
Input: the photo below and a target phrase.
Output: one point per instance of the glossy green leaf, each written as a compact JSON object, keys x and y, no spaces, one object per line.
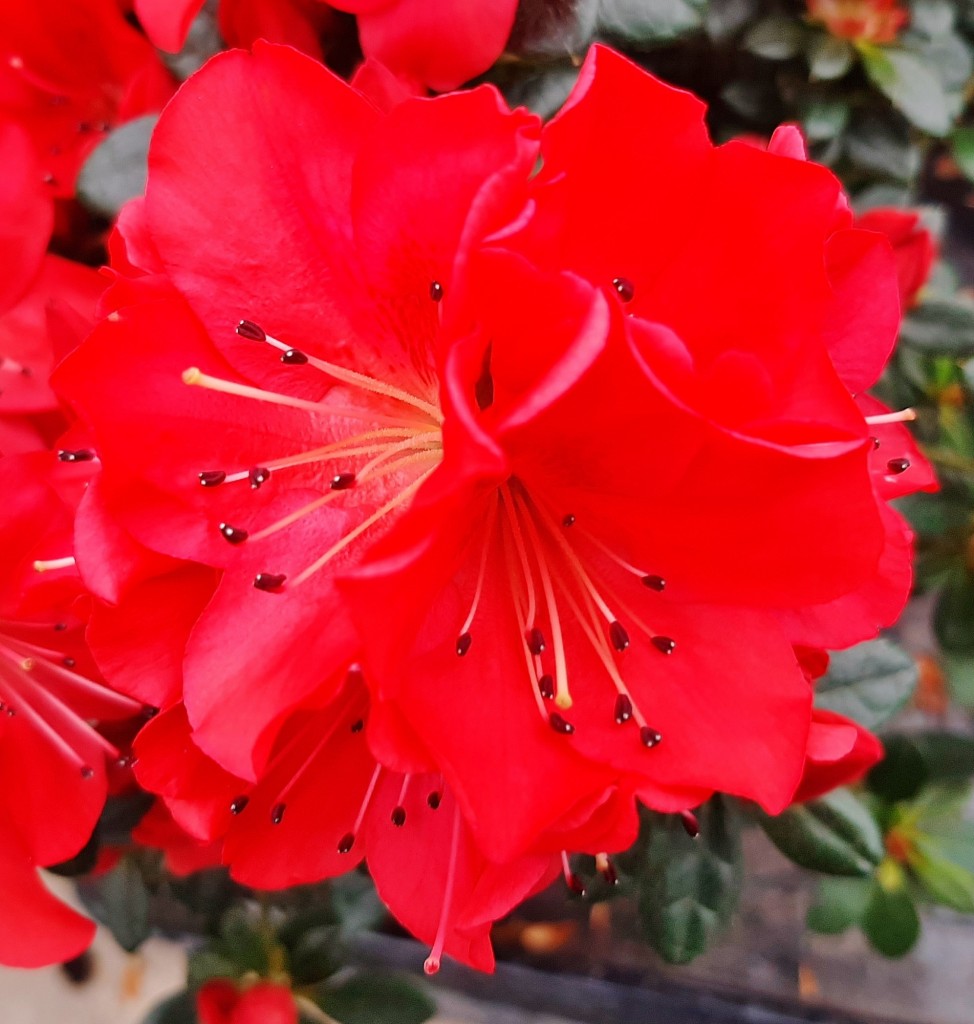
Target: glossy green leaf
{"x":724,"y":18}
{"x":839,"y":904}
{"x":178,"y":1009}
{"x":962,"y":146}
{"x":542,"y":28}
{"x":775,"y":38}
{"x":890,"y":921}
{"x":910,"y":85}
{"x":868,"y":683}
{"x":883,"y":147}
{"x":116,"y":171}
{"x":829,"y":57}
{"x":943,"y":326}
{"x":960,"y":677}
{"x":953,"y":619}
{"x":374,"y":998}
{"x":901,"y":774}
{"x":635,"y":21}
{"x":688,"y":888}
{"x":825,"y":119}
{"x":124,"y":905}
{"x":835,"y":835}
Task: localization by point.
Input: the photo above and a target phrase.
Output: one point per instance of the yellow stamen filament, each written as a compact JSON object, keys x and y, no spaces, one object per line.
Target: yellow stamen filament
{"x":522,"y":553}
{"x":903,"y":416}
{"x":194,"y":377}
{"x":363,"y":381}
{"x":366,"y":524}
{"x":50,"y":564}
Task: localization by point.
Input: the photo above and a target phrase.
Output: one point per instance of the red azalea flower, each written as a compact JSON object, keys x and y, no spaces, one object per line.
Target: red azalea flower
{"x":69,"y":73}
{"x":840,"y":752}
{"x":913,"y":245}
{"x":53,"y":763}
{"x":565,"y":491}
{"x":438,"y":43}
{"x":299,"y":23}
{"x":864,"y":21}
{"x":223,"y":1002}
{"x":26,"y":216}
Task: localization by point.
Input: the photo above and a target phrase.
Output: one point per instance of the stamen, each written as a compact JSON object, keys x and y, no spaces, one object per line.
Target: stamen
{"x":346,"y":376}
{"x":903,"y":416}
{"x":572,"y":880}
{"x":606,"y":868}
{"x":649,"y":737}
{"x":212,"y":478}
{"x":432,"y":962}
{"x":239,"y":805}
{"x":293,"y":357}
{"x":464,"y":639}
{"x":664,"y":644}
{"x":77,"y":455}
{"x":348,"y":840}
{"x":436,"y":291}
{"x":434,"y":800}
{"x":342,"y":481}
{"x":269,"y":581}
{"x":233,"y":534}
{"x":618,"y":636}
{"x":623,"y":710}
{"x":277,"y":813}
{"x":568,"y":520}
{"x":625,"y":288}
{"x":398,"y":815}
{"x":656,"y":583}
{"x":366,"y":524}
{"x":691,"y":823}
{"x":560,"y":724}
{"x":51,"y":564}
{"x":897,"y":466}
{"x":536,"y":641}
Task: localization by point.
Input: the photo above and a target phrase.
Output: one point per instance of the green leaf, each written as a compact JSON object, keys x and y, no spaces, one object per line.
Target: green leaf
{"x":883,"y":146}
{"x":829,"y":57}
{"x":116,"y":171}
{"x":178,"y":1009}
{"x":835,"y":835}
{"x":635,"y":21}
{"x":377,"y":999}
{"x":124,"y":905}
{"x":868,"y":683}
{"x":839,"y":904}
{"x":952,"y":840}
{"x":962,"y":146}
{"x":945,"y":882}
{"x":911,"y":86}
{"x":960,"y":677}
{"x":890,"y":921}
{"x":356,"y":902}
{"x":688,"y":888}
{"x":825,"y":119}
{"x":545,"y":29}
{"x":724,"y":18}
{"x":902,"y":772}
{"x":931,"y":17}
{"x":205,"y":964}
{"x":242,"y":941}
{"x":775,"y":38}
{"x":941,"y":326}
{"x":542,"y":91}
{"x":953,"y":618}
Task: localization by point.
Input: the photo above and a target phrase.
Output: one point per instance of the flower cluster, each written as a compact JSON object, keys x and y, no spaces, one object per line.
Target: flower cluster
{"x":428,"y":486}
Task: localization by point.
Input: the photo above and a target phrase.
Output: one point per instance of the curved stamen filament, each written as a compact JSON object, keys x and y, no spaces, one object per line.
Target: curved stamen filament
{"x":50,"y":564}
{"x":195,"y":377}
{"x":562,"y":696}
{"x":508,"y":499}
{"x":361,"y":380}
{"x":366,"y":800}
{"x":432,"y":962}
{"x":903,"y":416}
{"x":481,"y":571}
{"x":366,"y":524}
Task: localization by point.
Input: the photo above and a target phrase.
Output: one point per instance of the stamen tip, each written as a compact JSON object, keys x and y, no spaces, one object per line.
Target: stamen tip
{"x":564,"y":701}
{"x":431,"y":965}
{"x":192,"y":375}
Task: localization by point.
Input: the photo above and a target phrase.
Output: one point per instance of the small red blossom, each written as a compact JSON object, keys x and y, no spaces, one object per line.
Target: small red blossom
{"x":862,"y":21}
{"x":69,"y":73}
{"x":223,"y":1002}
{"x":913,"y":245}
{"x":54,"y":764}
{"x":840,"y":752}
{"x":567,"y":500}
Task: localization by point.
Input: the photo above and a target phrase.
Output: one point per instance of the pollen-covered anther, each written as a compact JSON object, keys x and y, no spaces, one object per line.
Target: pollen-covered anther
{"x":897,"y":466}
{"x":625,"y":288}
{"x":294,"y":357}
{"x":649,"y":737}
{"x":464,"y":640}
{"x":342,"y":481}
{"x":75,"y":455}
{"x":269,"y":581}
{"x":664,"y":644}
{"x":623,"y":709}
{"x":618,"y":636}
{"x":233,"y":534}
{"x":560,"y":724}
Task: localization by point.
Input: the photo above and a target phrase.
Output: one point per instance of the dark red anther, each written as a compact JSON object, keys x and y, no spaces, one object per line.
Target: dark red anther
{"x":897,"y":466}
{"x":258,"y":475}
{"x":212,"y":478}
{"x":464,"y":640}
{"x":623,"y":709}
{"x":342,"y":481}
{"x":664,"y":644}
{"x":546,"y":685}
{"x":691,"y":824}
{"x":624,"y":287}
{"x":656,"y":583}
{"x":574,"y":884}
{"x":618,"y":636}
{"x":434,"y":800}
{"x":436,"y":291}
{"x":77,"y":455}
{"x":398,"y":816}
{"x":68,"y":662}
{"x":233,"y":534}
{"x":876,"y":443}
{"x":609,"y":872}
{"x":536,"y":641}
{"x":277,"y":814}
{"x":239,"y":805}
{"x":649,"y":737}
{"x":346,"y":842}
{"x":568,"y":520}
{"x":60,"y":627}
{"x":560,"y":724}
{"x":293,"y":357}
{"x":87,"y":771}
{"x":269,"y":580}
{"x":358,"y":725}
{"x":248,"y":329}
